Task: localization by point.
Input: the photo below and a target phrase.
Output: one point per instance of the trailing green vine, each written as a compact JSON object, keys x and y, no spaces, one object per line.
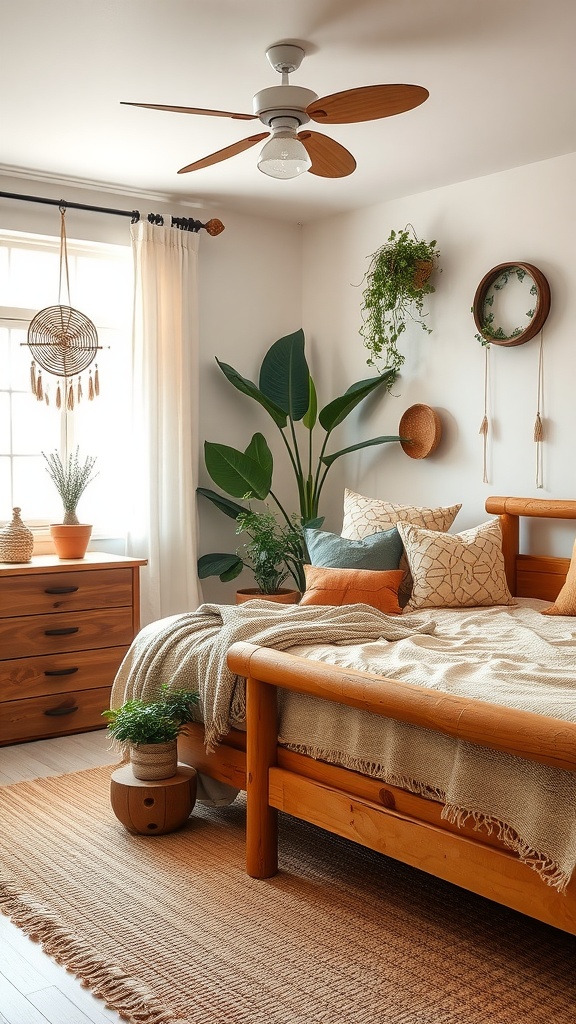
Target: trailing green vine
{"x":396,"y":283}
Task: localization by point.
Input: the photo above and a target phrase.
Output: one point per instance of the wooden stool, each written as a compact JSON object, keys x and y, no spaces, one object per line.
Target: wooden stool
{"x":152,"y":808}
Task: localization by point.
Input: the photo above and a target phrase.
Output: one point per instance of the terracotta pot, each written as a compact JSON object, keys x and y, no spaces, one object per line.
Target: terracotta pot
{"x":153,"y":761}
{"x":283,"y":596}
{"x":70,"y":541}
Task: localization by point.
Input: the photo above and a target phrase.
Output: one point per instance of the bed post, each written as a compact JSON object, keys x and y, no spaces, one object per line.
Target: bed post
{"x":261,"y":743}
{"x":510,"y":528}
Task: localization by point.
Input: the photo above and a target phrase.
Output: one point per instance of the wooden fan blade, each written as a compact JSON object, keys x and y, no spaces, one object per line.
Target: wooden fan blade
{"x":366,"y":103}
{"x":191,"y":110}
{"x":223,"y":154}
{"x":329,"y":158}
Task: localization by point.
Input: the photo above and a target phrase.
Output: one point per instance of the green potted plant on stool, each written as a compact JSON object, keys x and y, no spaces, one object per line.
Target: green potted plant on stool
{"x":147,"y":731}
{"x":71,"y":479}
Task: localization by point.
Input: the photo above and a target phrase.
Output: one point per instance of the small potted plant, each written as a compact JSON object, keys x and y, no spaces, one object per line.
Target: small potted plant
{"x":396,"y":283}
{"x":273,"y":552}
{"x":148,"y":730}
{"x":71,"y":479}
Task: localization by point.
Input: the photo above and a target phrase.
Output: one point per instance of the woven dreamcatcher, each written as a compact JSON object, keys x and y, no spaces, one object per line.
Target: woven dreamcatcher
{"x":63,"y":342}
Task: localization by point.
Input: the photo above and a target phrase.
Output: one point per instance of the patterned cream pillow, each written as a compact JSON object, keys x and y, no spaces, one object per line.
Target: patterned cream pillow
{"x":365,"y":516}
{"x":463,"y":570}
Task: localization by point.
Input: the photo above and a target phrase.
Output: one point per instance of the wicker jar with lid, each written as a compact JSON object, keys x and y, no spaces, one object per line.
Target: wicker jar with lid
{"x":16,"y":540}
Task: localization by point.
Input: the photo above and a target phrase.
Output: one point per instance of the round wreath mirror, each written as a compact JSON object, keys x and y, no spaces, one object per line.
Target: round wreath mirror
{"x":511,"y":304}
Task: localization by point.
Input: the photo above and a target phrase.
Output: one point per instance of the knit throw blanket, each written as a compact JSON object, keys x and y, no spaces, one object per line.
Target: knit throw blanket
{"x":513,"y":656}
{"x":189,"y":651}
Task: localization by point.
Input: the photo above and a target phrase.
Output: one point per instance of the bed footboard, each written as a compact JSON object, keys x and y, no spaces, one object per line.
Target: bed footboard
{"x":475,"y":863}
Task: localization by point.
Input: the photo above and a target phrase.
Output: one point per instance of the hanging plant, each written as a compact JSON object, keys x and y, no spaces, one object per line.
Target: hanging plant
{"x":397,"y":281}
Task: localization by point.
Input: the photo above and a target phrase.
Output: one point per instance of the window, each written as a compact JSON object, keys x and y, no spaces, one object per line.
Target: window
{"x":101,"y":286}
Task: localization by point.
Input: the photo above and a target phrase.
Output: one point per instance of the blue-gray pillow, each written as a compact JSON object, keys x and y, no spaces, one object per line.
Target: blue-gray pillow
{"x":380,"y":551}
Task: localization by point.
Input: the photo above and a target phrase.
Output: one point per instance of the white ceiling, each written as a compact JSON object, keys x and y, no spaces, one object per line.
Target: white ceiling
{"x":501,"y":76}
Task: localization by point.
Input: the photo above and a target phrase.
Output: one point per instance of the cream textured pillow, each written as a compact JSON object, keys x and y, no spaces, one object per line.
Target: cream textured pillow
{"x":565,"y":603}
{"x":463,"y":570}
{"x":364,"y":516}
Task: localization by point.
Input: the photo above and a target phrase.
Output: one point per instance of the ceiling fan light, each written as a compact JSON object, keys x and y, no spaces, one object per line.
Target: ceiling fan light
{"x":284,"y":156}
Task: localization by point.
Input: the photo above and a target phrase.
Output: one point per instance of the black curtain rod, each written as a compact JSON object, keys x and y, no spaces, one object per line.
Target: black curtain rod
{"x":213,"y":227}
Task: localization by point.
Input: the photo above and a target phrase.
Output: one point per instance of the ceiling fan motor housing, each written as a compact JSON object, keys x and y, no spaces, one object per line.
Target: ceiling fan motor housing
{"x":283,"y":101}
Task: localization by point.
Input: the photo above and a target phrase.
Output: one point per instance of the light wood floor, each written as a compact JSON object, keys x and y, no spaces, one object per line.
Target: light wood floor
{"x":33,"y":988}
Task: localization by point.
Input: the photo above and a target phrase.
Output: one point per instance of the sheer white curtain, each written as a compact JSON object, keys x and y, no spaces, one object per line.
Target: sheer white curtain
{"x":163,"y":459}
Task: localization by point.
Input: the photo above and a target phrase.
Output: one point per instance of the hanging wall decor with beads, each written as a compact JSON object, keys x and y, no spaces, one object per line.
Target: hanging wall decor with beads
{"x":490,"y":315}
{"x":63,"y":342}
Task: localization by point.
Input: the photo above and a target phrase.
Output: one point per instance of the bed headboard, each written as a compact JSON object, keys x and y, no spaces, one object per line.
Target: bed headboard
{"x":531,"y":575}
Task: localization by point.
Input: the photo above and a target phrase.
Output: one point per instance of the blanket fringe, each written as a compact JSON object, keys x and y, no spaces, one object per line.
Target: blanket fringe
{"x":550,"y":872}
{"x":133,"y":1000}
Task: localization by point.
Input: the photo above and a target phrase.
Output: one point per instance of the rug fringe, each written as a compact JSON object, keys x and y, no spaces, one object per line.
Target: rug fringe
{"x":131,"y":999}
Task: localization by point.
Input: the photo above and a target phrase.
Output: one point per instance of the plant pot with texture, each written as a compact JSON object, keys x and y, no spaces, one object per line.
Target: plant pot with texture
{"x":148,"y":730}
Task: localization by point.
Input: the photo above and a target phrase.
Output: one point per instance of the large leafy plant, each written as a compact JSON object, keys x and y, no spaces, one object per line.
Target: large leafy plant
{"x":287,"y":392}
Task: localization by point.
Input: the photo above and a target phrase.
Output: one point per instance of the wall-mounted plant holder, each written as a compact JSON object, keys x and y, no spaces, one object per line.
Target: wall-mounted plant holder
{"x":510,"y":307}
{"x":511,"y":304}
{"x":420,"y":429}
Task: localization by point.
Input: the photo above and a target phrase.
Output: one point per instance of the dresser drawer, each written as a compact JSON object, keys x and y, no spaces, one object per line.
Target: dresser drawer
{"x":35,"y":594}
{"x":54,"y":715}
{"x":59,"y":673}
{"x":29,"y":635}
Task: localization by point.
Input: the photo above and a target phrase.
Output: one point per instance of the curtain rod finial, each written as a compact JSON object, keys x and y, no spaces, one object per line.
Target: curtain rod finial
{"x":214,"y":227}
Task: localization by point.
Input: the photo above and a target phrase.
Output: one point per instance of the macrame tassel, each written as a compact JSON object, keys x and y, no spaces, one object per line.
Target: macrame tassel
{"x":484,"y":425}
{"x":79,"y":392}
{"x":39,"y":388}
{"x":90,"y":387}
{"x":58,"y":396}
{"x":96,"y":381}
{"x":33,"y":377}
{"x":538,"y":425}
{"x":47,"y":398}
{"x":70,"y":399}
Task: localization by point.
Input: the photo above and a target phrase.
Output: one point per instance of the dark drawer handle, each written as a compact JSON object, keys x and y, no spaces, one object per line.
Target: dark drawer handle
{"x":60,"y":671}
{"x":66,"y":631}
{"x":61,"y":590}
{"x":56,"y":712}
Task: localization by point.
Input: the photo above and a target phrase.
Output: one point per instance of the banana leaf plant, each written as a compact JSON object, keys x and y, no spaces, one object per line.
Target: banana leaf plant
{"x":287,"y":392}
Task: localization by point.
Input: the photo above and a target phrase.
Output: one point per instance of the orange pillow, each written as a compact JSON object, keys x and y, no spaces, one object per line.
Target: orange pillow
{"x":353,"y":586}
{"x":565,"y":603}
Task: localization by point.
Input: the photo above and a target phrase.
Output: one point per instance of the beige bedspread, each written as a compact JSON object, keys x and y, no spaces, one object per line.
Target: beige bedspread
{"x":508,"y":655}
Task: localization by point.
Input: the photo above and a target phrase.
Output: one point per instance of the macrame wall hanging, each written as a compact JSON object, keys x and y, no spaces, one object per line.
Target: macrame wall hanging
{"x":63,"y":343}
{"x":488,"y":317}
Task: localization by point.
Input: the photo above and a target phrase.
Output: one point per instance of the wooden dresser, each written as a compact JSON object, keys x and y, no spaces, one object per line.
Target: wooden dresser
{"x":65,"y":626}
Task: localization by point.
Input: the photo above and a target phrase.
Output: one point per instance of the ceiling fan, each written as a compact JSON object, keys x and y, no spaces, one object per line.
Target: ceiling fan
{"x":286,"y":108}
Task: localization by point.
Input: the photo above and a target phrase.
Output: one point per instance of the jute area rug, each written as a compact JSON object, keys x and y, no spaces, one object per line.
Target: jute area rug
{"x":170,"y":928}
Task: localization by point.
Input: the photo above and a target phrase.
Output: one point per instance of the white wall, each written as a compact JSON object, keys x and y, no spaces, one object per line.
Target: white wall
{"x":525,"y":215}
{"x":250,"y":295}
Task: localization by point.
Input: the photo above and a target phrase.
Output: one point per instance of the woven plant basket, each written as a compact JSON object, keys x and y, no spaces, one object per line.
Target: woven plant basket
{"x":16,"y":540}
{"x":422,"y":271}
{"x":421,"y":429}
{"x":152,"y":761}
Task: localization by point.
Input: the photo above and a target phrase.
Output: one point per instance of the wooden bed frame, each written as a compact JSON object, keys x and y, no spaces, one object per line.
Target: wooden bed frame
{"x":392,"y":821}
